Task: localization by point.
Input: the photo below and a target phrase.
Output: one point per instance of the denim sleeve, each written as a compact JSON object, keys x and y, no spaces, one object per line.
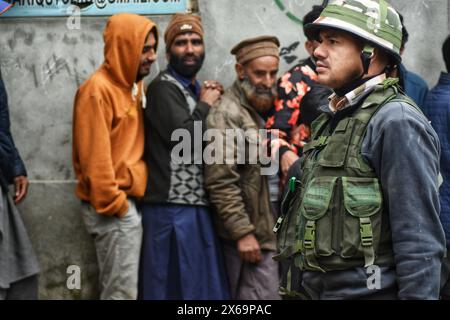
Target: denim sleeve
{"x":404,"y":150}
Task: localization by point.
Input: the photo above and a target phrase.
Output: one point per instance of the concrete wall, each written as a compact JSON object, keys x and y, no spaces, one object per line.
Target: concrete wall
{"x":43,"y":63}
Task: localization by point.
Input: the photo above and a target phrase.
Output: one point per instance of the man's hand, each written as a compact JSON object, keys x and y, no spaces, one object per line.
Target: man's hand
{"x":287,"y":161}
{"x":213,"y":84}
{"x":249,"y":249}
{"x":211,"y":92}
{"x":20,"y":188}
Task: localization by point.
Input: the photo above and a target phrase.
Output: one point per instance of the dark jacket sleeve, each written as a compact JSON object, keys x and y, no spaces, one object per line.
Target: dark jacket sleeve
{"x":167,"y":110}
{"x":404,"y":150}
{"x":5,"y":153}
{"x":17,"y":167}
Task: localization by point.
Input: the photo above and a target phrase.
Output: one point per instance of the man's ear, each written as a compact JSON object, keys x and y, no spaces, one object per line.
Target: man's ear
{"x":378,"y":61}
{"x":240,"y":71}
{"x":380,"y":56}
{"x":376,"y":54}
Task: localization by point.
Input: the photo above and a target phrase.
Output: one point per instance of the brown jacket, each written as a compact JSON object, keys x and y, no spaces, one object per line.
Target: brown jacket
{"x":238,"y":192}
{"x":108,"y":128}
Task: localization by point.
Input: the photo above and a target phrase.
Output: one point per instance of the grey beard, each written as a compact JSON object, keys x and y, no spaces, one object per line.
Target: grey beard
{"x":261,"y":99}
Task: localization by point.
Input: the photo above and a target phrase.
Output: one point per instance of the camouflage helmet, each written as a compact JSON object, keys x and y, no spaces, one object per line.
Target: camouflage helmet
{"x":374,"y":21}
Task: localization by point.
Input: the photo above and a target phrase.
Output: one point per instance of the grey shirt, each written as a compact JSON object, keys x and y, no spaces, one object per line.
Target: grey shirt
{"x":404,"y":150}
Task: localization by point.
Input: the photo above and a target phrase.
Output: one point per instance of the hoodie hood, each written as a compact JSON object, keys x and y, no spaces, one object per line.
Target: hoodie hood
{"x":124,"y":38}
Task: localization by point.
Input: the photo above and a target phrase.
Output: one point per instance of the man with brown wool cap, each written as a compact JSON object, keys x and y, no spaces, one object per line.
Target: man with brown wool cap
{"x":180,"y":255}
{"x":240,"y":193}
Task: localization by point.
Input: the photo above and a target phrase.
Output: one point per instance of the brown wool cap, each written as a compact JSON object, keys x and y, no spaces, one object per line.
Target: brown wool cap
{"x":253,"y":48}
{"x":182,"y":23}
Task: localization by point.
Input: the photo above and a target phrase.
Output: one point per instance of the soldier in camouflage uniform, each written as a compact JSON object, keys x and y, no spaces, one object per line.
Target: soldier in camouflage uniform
{"x":363,"y":220}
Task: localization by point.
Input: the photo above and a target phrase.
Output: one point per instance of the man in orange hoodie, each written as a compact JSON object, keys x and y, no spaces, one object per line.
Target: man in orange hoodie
{"x":108,"y":147}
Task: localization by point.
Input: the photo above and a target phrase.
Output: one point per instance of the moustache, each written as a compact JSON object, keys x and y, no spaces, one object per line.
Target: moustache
{"x":260,"y":97}
{"x":190,"y":57}
{"x":321,"y":64}
{"x":259,"y":90}
{"x":265,"y":91}
{"x":180,"y":65}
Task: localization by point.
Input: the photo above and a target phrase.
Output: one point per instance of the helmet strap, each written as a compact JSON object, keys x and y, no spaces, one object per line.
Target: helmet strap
{"x":390,"y":68}
{"x":366,"y":57}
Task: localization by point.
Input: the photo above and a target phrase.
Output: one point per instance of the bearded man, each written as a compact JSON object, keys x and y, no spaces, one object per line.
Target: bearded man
{"x":240,"y":192}
{"x":180,"y":253}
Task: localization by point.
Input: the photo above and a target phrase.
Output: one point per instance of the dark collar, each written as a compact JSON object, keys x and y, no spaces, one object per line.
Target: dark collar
{"x":185,"y":82}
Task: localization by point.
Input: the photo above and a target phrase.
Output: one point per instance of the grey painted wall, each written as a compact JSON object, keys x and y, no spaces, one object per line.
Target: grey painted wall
{"x":43,"y":63}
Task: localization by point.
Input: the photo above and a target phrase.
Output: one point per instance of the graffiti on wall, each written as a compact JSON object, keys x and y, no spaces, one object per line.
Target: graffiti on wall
{"x":288,"y":8}
{"x":294,"y":11}
{"x":49,"y":70}
{"x":288,"y":53}
{"x":45,"y":69}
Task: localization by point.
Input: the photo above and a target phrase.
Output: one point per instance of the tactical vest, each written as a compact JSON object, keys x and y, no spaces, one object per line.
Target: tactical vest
{"x":334,"y":218}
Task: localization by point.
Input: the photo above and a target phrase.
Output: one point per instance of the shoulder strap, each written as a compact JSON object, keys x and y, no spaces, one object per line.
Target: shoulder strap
{"x":383,"y":93}
{"x":319,"y":125}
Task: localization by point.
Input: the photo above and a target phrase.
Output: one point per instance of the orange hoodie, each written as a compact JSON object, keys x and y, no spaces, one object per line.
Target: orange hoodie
{"x":108,"y":129}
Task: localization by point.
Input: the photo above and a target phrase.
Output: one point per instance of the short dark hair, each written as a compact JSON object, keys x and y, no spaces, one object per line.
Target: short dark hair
{"x":446,"y":53}
{"x":405,"y":33}
{"x":312,"y":16}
